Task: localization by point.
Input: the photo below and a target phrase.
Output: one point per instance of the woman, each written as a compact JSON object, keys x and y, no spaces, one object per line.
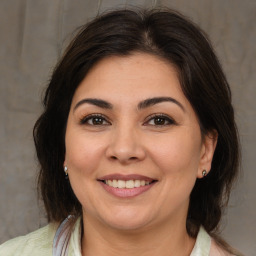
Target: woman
{"x":137,"y":142}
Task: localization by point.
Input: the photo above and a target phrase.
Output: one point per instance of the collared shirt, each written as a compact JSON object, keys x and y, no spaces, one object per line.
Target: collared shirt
{"x":41,"y":241}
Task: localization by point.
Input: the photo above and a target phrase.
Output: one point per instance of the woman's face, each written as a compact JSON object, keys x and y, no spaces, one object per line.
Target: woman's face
{"x":133,"y":144}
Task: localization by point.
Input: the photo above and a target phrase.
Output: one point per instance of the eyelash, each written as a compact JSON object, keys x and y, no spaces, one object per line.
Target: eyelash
{"x":162,"y":117}
{"x":85,"y":120}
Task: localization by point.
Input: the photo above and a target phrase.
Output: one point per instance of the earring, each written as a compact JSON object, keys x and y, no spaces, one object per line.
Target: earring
{"x":204,"y":173}
{"x":66,"y":171}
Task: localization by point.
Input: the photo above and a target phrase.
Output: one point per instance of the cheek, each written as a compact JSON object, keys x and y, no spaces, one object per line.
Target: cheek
{"x":83,"y":152}
{"x":83,"y":156}
{"x":178,"y":153}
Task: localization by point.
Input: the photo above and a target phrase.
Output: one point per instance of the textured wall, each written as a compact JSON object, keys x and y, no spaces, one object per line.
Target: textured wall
{"x":33,"y":33}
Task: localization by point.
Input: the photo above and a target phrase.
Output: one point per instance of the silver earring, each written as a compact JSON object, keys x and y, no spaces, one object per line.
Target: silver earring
{"x":204,"y":173}
{"x":66,"y":171}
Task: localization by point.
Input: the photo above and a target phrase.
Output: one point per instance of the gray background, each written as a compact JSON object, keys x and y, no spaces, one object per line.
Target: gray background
{"x":33,"y":34}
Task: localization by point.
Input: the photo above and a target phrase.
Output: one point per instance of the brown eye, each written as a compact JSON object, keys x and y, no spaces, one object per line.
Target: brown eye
{"x":95,"y":120}
{"x":159,"y":120}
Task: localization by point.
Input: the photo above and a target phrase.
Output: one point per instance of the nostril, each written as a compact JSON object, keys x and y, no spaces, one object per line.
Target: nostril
{"x":125,"y":153}
{"x":129,"y":159}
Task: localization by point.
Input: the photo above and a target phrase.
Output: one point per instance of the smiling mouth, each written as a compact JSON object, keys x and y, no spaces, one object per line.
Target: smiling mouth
{"x":127,"y":184}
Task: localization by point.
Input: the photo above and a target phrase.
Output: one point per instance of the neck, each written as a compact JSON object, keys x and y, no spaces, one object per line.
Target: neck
{"x":165,"y":239}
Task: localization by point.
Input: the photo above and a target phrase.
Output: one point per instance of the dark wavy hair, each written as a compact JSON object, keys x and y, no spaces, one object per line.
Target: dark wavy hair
{"x":172,"y":37}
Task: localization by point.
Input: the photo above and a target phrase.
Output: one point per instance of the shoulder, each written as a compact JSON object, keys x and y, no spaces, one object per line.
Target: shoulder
{"x":216,"y":250}
{"x":36,"y":243}
{"x":206,"y":245}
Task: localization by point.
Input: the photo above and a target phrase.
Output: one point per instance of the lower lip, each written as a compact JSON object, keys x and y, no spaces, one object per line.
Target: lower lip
{"x":126,"y":192}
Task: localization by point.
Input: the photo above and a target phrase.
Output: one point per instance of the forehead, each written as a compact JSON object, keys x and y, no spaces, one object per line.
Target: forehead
{"x":138,"y":75}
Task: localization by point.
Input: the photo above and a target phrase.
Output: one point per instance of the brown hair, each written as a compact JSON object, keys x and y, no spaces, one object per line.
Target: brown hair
{"x":168,"y":35}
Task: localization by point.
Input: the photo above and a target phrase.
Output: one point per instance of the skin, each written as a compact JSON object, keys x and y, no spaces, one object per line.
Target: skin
{"x":129,"y":140}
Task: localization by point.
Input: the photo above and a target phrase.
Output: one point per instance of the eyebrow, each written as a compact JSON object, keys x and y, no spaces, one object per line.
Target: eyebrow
{"x":153,"y":101}
{"x":96,"y":102}
{"x":142,"y":105}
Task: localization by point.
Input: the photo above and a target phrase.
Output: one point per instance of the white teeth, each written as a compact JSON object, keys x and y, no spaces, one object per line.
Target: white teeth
{"x":121,"y":184}
{"x":137,"y":183}
{"x":129,"y":184}
{"x":126,"y":184}
{"x":114,"y":184}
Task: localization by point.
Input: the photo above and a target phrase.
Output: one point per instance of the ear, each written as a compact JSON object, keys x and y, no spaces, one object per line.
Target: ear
{"x":207,"y":151}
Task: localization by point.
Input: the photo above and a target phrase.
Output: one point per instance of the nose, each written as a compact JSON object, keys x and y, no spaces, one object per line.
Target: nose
{"x":125,"y":146}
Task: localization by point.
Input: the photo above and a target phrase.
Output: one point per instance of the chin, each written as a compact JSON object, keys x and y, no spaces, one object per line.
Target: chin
{"x":128,"y":220}
{"x":127,"y":225}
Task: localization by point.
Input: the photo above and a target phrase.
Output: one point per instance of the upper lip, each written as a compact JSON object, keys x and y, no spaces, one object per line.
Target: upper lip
{"x":118,"y":176}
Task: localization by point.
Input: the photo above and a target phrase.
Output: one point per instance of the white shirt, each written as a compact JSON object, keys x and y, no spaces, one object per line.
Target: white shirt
{"x":51,"y":239}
